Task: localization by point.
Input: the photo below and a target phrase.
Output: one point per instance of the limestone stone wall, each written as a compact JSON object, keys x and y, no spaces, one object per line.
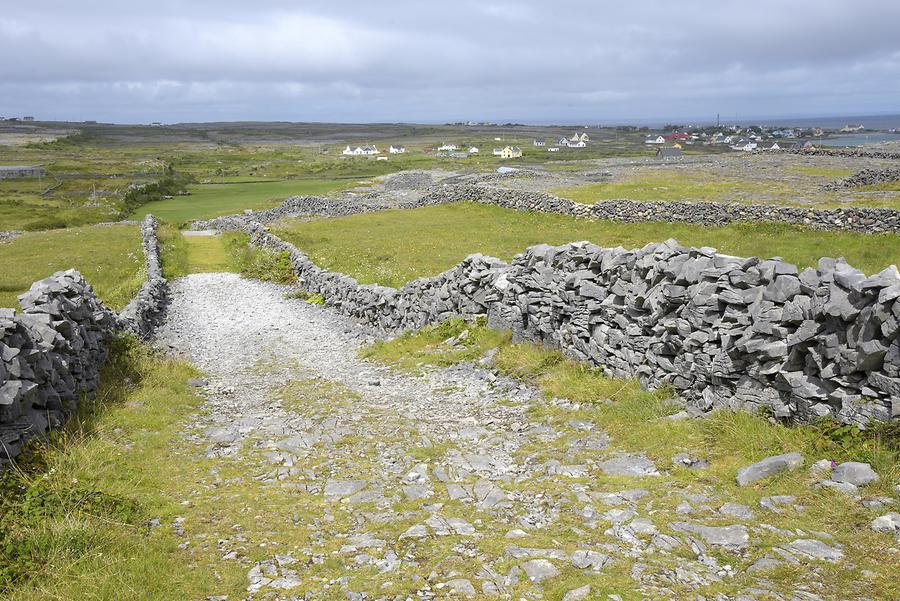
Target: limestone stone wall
{"x":723,"y":331}
{"x":856,"y":219}
{"x":52,"y":350}
{"x":866,"y":177}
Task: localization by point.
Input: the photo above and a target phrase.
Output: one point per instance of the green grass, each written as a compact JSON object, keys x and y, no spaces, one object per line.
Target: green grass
{"x":792,"y":187}
{"x":437,"y":238}
{"x":109,"y":257}
{"x":228,"y":252}
{"x":213,"y":200}
{"x":675,"y":186}
{"x":73,"y":518}
{"x":885,"y":187}
{"x":829,"y":172}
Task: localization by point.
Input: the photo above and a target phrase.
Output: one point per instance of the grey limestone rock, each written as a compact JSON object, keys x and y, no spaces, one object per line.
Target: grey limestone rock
{"x":539,"y":570}
{"x":768,"y":467}
{"x":853,"y":472}
{"x":732,"y":538}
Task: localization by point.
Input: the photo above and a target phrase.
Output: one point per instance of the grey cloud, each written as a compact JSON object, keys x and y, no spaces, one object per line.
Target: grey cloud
{"x":405,"y":60}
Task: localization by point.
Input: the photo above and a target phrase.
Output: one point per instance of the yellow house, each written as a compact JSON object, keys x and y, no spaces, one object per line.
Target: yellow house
{"x":511,"y":152}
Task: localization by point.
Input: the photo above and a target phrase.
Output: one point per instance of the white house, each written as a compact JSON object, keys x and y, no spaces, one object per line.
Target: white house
{"x":553,"y":149}
{"x":360,"y":150}
{"x":564,"y":141}
{"x":656,"y":140}
{"x":397,"y":149}
{"x":497,"y":152}
{"x":510,"y":152}
{"x":582,"y":137}
{"x":573,"y":143}
{"x":775,"y":146}
{"x":539,"y":143}
{"x":447,"y":147}
{"x":473,"y":150}
{"x":745,"y":145}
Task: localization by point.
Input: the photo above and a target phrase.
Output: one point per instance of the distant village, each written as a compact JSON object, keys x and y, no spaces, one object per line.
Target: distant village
{"x":462,"y":151}
{"x":747,"y":139}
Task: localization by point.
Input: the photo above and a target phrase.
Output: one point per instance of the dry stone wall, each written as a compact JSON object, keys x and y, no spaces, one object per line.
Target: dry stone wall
{"x":52,"y":350}
{"x":855,"y":219}
{"x":722,"y":331}
{"x":852,"y":153}
{"x":866,"y":177}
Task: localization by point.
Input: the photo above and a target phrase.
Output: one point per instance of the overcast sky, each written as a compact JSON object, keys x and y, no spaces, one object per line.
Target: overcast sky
{"x":534,"y":61}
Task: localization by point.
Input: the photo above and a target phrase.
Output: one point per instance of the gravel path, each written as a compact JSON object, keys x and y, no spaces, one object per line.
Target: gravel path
{"x":348,"y":480}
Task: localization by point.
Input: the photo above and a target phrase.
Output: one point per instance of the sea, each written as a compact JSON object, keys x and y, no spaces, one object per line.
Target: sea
{"x":858,"y":139}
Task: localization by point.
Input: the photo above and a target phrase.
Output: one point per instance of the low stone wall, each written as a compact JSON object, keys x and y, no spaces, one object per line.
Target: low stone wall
{"x":852,"y":153}
{"x":291,"y":207}
{"x":9,"y":235}
{"x":51,"y":352}
{"x":722,"y":331}
{"x":147,"y":309}
{"x":855,"y":219}
{"x":866,"y":177}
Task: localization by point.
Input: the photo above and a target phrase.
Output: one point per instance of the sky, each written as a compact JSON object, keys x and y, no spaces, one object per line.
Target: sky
{"x":529,"y":61}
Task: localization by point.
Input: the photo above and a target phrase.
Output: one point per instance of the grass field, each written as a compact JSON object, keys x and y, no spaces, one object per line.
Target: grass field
{"x":109,"y":257}
{"x":436,"y":238}
{"x":213,"y":200}
{"x":793,"y":187}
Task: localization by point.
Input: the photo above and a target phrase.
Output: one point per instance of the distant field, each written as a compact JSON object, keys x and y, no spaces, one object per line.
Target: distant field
{"x":437,"y":238}
{"x":109,"y":257}
{"x":700,"y":186}
{"x":213,"y":200}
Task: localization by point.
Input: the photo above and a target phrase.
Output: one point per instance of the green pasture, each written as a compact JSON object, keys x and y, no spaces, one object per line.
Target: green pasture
{"x":109,"y":257}
{"x":397,"y":246}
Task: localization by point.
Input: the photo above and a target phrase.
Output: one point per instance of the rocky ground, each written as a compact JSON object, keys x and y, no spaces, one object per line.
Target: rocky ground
{"x":764,"y":178}
{"x":335,"y":478}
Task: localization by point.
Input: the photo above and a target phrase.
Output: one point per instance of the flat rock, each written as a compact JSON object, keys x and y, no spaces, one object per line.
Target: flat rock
{"x":768,"y":467}
{"x":887,"y":523}
{"x":577,"y":593}
{"x":459,"y":586}
{"x":733,"y":538}
{"x":737,"y":510}
{"x":815,"y":549}
{"x":855,"y":473}
{"x":539,"y":570}
{"x":629,"y":465}
{"x":337,"y":489}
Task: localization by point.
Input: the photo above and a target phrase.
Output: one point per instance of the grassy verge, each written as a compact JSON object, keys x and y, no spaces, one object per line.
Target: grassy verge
{"x":213,"y":200}
{"x":437,"y":238}
{"x":74,"y":518}
{"x":109,"y":257}
{"x":229,"y":252}
{"x":635,"y":421}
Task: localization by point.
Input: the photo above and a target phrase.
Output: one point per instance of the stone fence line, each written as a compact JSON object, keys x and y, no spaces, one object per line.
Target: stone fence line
{"x":52,"y":351}
{"x":722,"y":331}
{"x":711,"y":214}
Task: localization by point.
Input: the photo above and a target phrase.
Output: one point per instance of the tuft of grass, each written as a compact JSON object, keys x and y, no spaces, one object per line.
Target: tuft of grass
{"x":109,"y":257}
{"x":830,"y":172}
{"x":258,"y":263}
{"x":412,"y":350}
